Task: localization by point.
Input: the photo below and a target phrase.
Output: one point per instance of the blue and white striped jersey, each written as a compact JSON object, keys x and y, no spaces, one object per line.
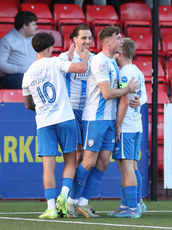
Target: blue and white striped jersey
{"x":76,"y":82}
{"x":103,"y":68}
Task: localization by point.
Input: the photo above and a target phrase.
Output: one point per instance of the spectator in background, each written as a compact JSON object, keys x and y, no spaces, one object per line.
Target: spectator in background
{"x":95,"y":2}
{"x":116,"y":4}
{"x":161,"y":2}
{"x":17,"y":53}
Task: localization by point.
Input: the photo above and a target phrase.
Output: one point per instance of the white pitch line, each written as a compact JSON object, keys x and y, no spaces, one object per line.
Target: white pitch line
{"x":158,"y":211}
{"x":87,"y":223}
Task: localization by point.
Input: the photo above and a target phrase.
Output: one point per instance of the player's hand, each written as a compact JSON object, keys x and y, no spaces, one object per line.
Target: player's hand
{"x":133,"y":85}
{"x":134,"y":103}
{"x":85,"y":54}
{"x":71,"y":52}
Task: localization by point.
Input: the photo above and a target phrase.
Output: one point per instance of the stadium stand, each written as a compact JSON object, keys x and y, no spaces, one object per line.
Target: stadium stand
{"x":143,"y":42}
{"x":165,"y":19}
{"x":166,"y":41}
{"x":168,"y":71}
{"x":136,"y":16}
{"x":101,"y":16}
{"x":48,"y":2}
{"x":8,"y":12}
{"x":67,"y":15}
{"x":11,"y":95}
{"x":42,"y":11}
{"x":146,"y":67}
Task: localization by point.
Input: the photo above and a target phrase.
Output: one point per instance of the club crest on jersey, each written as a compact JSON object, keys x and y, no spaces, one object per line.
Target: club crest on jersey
{"x":90,"y":143}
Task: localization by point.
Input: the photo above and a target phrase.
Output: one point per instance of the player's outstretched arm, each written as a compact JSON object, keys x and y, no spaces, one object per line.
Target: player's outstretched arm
{"x":110,"y":93}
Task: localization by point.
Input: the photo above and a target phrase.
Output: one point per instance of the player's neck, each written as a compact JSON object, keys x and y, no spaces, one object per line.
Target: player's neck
{"x":41,"y":55}
{"x":78,"y":51}
{"x":125,"y":61}
{"x":107,"y":53}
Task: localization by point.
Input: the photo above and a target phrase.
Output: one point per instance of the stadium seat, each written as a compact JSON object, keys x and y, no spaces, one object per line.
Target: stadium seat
{"x":146,"y":67}
{"x":67,"y":15}
{"x":167,"y":44}
{"x":168,"y":71}
{"x":99,"y":16}
{"x":8,"y":12}
{"x":58,"y":47}
{"x":48,"y":2}
{"x":42,"y":11}
{"x":143,"y":42}
{"x":11,"y":95}
{"x":165,"y":19}
{"x":162,"y":93}
{"x":135,"y":15}
{"x":160,"y":132}
{"x":4,"y":27}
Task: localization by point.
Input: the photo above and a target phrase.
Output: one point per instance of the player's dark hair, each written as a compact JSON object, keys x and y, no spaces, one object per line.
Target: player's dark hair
{"x":128,"y":48}
{"x":75,"y":32}
{"x":42,"y":41}
{"x":24,"y":18}
{"x":108,"y":31}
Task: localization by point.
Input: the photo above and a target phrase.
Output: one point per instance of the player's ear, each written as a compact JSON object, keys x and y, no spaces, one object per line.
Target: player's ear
{"x":74,"y":40}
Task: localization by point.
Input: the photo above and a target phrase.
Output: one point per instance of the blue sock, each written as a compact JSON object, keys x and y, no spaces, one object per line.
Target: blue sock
{"x":50,"y":193}
{"x":131,"y":196}
{"x":67,"y":182}
{"x":139,"y":185}
{"x":123,"y":200}
{"x":79,"y":182}
{"x":93,"y":181}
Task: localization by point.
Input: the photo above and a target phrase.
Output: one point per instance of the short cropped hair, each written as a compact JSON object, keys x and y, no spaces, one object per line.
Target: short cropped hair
{"x":128,"y":48}
{"x":24,"y":18}
{"x":42,"y":41}
{"x":108,"y":31}
{"x":75,"y":32}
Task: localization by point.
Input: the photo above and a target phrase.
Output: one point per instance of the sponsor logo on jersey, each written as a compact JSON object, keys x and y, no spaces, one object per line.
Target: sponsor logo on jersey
{"x":124,"y":79}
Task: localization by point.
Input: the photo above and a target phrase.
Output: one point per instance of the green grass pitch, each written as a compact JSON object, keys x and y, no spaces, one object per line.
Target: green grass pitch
{"x":23,"y":215}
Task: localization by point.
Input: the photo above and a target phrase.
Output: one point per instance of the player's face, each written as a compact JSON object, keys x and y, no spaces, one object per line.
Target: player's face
{"x":118,"y":58}
{"x":30,"y":29}
{"x":116,"y":43}
{"x":83,"y":40}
